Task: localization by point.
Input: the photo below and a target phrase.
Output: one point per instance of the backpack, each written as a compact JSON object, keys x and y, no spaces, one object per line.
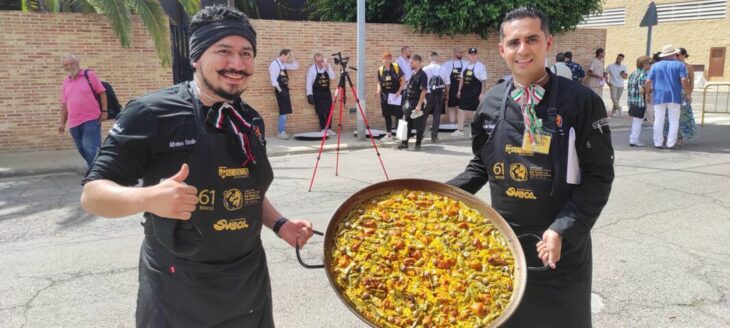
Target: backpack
{"x":395,"y":68}
{"x":436,"y":84}
{"x":112,"y":103}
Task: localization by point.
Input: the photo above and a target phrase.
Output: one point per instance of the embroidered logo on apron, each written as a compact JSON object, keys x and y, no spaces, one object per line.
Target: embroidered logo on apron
{"x":498,"y":170}
{"x":237,"y":172}
{"x":518,"y":172}
{"x":520,"y":193}
{"x":232,"y":199}
{"x":232,"y":225}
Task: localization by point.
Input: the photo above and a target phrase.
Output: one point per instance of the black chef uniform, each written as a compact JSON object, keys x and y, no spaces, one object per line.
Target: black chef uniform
{"x":530,"y":191}
{"x":322,"y":96}
{"x":389,"y":79}
{"x":282,"y":97}
{"x":209,"y":271}
{"x":470,"y":91}
{"x":455,"y":77}
{"x":417,"y":84}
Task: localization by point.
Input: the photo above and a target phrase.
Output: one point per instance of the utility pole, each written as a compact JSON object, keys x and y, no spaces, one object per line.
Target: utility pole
{"x":361,"y":67}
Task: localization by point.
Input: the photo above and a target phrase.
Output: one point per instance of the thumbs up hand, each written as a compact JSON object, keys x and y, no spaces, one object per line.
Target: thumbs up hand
{"x":172,"y":198}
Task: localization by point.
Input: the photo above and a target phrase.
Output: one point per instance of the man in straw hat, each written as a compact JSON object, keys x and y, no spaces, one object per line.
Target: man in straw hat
{"x":199,"y":149}
{"x":664,"y":85}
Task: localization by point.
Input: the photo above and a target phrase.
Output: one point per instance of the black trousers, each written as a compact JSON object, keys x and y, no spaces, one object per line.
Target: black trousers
{"x":435,"y":106}
{"x":390,"y":111}
{"x":418,"y":123}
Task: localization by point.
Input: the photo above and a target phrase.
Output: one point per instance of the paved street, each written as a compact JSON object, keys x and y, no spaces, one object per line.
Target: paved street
{"x":660,"y":246}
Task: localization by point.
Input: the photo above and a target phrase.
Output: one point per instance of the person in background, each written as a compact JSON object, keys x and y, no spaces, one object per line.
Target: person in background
{"x":616,"y":75}
{"x":560,"y":68}
{"x":403,"y":62}
{"x":596,"y":74}
{"x":279,"y":73}
{"x":471,"y":88}
{"x":637,"y":103}
{"x":83,"y":106}
{"x":664,"y":84}
{"x":319,"y":76}
{"x":390,"y":81}
{"x":575,"y":68}
{"x":434,"y":95}
{"x":451,"y":73}
{"x":687,"y":126}
{"x":414,"y":110}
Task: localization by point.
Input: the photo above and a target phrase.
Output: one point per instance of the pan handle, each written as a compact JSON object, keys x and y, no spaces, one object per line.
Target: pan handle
{"x":529,"y":268}
{"x":299,"y":257}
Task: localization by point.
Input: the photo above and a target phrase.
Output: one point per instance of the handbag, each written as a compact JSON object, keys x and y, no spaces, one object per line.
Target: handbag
{"x":402,"y":132}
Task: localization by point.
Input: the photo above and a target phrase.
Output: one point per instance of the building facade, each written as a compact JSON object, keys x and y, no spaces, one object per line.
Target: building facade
{"x":702,"y":27}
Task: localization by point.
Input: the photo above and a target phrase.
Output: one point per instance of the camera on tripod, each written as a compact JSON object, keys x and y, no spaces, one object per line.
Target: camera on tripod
{"x":339,"y":60}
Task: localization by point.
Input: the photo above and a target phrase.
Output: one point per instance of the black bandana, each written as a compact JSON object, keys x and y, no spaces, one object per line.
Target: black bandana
{"x":207,"y":35}
{"x":224,"y":116}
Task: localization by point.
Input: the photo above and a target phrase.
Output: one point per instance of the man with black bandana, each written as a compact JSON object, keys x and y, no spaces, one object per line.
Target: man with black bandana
{"x":544,"y":146}
{"x":200,"y":152}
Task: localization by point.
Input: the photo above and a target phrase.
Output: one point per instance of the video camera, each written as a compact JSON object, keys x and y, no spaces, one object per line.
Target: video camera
{"x":339,"y":60}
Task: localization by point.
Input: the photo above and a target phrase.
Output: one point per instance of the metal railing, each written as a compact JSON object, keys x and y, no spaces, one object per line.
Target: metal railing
{"x":716,"y":106}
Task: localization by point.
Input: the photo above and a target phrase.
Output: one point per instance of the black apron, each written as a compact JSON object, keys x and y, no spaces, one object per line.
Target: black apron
{"x":454,"y":78}
{"x":389,"y":83}
{"x":321,"y":92}
{"x":282,"y":97}
{"x":210,"y":271}
{"x":470,"y":91}
{"x":528,"y":189}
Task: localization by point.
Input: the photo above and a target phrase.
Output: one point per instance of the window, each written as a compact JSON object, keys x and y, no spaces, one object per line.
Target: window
{"x":612,"y":16}
{"x":694,"y":10}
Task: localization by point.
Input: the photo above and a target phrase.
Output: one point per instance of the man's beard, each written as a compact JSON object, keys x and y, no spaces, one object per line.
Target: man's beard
{"x":223,"y":93}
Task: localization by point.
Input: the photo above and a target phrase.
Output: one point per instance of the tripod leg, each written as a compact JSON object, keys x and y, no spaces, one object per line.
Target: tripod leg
{"x":339,"y":133}
{"x":367,"y":126}
{"x":324,"y":136}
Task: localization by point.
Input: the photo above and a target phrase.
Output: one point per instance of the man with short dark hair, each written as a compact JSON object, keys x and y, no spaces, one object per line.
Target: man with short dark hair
{"x":540,"y":181}
{"x":451,"y":73}
{"x":279,"y":74}
{"x":616,"y":75}
{"x":472,"y":87}
{"x":434,"y":95}
{"x":319,"y":77}
{"x":575,"y":68}
{"x":559,"y":68}
{"x":200,"y":153}
{"x":415,"y":103}
{"x":404,"y":62}
{"x":81,"y":109}
{"x":596,"y":73}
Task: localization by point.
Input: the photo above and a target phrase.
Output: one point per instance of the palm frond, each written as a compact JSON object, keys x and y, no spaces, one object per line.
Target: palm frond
{"x":119,"y":17}
{"x":191,"y":6}
{"x":53,"y":6}
{"x":154,"y":18}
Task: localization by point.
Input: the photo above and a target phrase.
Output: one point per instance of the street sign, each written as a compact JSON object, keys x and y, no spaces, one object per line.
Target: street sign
{"x":650,"y":17}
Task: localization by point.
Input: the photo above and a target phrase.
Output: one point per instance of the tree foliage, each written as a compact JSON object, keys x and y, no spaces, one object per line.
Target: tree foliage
{"x":450,"y":17}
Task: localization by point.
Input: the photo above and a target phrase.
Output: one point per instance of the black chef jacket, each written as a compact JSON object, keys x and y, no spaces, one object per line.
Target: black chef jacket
{"x":537,"y":197}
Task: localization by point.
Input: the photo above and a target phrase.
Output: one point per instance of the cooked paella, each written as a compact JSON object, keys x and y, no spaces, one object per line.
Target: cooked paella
{"x":419,"y":259}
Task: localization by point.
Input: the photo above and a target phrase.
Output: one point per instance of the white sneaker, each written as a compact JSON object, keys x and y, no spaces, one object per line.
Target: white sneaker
{"x":388,"y":138}
{"x":283,"y":136}
{"x":457,"y":133}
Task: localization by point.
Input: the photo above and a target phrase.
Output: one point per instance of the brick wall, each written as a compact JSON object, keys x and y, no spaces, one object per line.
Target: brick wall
{"x":32,"y":45}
